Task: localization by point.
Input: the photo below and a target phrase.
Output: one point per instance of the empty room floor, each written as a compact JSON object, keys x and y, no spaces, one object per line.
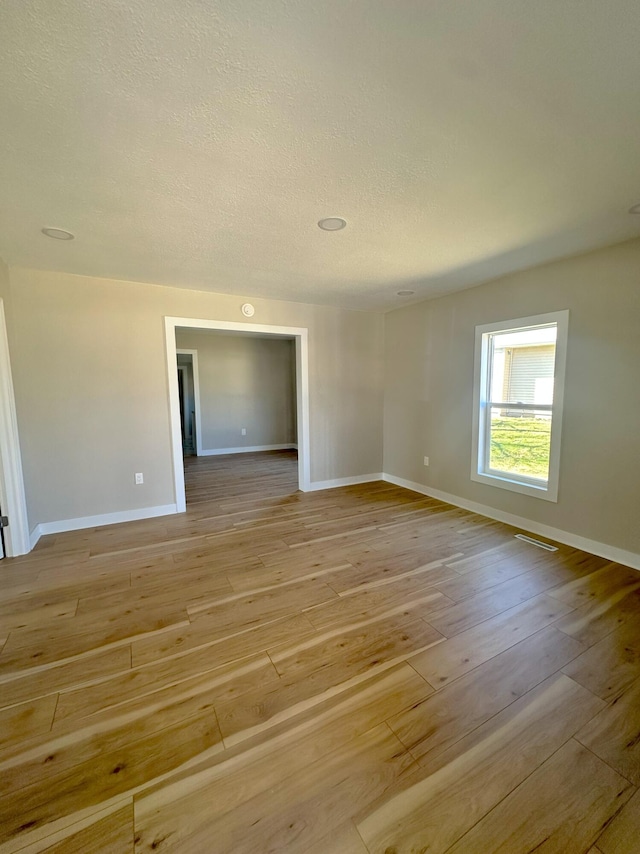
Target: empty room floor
{"x":356,"y":670}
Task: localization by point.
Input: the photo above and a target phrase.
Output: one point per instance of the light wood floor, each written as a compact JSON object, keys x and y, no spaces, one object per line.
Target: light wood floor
{"x":361,"y":669}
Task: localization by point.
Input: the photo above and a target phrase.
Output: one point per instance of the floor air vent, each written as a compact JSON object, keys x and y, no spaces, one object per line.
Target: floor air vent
{"x":537,"y":543}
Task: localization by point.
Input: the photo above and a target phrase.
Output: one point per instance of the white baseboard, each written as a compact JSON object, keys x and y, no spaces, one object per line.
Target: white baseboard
{"x":102,"y":519}
{"x":215,"y":452}
{"x":317,"y":485}
{"x":604,"y":550}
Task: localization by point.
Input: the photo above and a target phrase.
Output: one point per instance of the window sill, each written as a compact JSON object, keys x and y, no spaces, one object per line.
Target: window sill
{"x":503,"y":481}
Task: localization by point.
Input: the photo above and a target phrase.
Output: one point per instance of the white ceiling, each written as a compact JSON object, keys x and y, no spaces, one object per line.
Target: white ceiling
{"x":197,"y":143}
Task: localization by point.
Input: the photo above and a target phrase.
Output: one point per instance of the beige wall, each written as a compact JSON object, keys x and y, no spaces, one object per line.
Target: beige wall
{"x":91,"y":388}
{"x":5,"y":296}
{"x":4,"y":279}
{"x":429,"y":387}
{"x":244,"y":382}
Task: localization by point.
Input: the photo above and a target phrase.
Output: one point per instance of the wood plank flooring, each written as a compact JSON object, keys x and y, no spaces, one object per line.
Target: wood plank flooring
{"x":341,"y":672}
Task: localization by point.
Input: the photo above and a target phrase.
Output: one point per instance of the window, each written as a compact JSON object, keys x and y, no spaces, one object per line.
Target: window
{"x":518,"y":390}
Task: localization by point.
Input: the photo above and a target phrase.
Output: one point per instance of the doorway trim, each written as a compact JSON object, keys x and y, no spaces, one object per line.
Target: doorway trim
{"x":299,"y":334}
{"x":12,"y":495}
{"x":196,"y":395}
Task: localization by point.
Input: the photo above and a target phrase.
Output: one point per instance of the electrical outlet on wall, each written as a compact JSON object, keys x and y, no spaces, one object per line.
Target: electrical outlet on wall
{"x":139,"y":478}
{"x":426,"y":461}
{"x":243,"y":431}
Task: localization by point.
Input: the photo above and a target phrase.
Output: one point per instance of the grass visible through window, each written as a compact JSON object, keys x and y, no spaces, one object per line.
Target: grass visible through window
{"x":521,"y":445}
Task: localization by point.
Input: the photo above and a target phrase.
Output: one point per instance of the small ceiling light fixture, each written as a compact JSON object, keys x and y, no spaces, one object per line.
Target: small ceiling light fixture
{"x":248,"y":310}
{"x":405,"y":293}
{"x":635,"y":209}
{"x":58,"y":233}
{"x":332,"y":223}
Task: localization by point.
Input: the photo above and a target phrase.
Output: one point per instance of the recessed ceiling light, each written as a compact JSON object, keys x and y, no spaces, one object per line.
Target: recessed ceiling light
{"x":332,"y":223}
{"x":58,"y":233}
{"x":406,"y":293}
{"x":635,"y":209}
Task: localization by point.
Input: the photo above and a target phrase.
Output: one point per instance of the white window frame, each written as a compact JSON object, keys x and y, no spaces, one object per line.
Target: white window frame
{"x":480,"y":472}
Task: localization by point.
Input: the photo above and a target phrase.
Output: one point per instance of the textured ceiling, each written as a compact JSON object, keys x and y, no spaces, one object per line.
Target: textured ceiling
{"x":197,"y":143}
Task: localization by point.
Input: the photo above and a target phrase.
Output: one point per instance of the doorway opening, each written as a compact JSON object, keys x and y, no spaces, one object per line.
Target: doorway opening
{"x":189,"y":394}
{"x":188,"y":429}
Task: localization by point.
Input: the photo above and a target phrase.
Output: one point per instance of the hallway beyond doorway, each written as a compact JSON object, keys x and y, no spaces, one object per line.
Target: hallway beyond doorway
{"x":243,"y":477}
